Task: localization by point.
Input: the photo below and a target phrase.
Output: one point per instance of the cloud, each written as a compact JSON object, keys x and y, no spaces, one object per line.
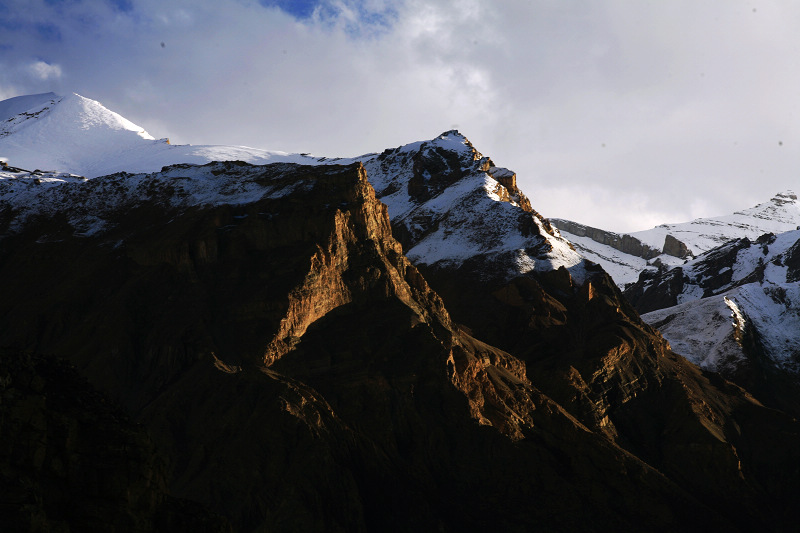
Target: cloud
{"x":44,"y":71}
{"x":610,"y":112}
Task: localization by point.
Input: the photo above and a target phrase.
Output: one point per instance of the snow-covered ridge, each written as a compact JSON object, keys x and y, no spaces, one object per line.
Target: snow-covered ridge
{"x":76,"y":135}
{"x":90,"y":205}
{"x":779,"y":214}
{"x":754,"y":286}
{"x":453,"y":203}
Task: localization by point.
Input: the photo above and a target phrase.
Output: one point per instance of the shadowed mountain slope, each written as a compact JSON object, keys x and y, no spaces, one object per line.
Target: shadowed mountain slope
{"x":296,"y":370}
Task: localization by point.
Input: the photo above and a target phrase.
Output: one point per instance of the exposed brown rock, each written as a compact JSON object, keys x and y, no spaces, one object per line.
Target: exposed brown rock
{"x":585,"y":347}
{"x":675,"y":248}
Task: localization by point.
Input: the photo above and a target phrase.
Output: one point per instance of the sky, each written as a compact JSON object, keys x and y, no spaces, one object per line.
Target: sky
{"x":620,"y":114}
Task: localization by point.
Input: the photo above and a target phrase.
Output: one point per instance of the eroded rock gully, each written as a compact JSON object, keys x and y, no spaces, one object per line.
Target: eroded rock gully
{"x":585,"y":347}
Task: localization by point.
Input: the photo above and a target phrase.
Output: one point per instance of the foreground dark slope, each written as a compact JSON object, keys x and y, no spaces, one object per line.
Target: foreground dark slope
{"x":295,"y":370}
{"x":586,"y":347}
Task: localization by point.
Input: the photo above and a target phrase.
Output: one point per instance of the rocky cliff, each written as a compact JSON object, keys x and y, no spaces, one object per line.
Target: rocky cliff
{"x":586,"y":347}
{"x":625,"y":243}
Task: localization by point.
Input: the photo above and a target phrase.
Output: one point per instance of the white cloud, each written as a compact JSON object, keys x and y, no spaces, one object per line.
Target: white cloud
{"x":44,"y":71}
{"x":612,"y":113}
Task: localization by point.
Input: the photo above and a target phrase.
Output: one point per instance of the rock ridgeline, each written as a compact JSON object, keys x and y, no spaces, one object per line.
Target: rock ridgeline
{"x":625,"y":243}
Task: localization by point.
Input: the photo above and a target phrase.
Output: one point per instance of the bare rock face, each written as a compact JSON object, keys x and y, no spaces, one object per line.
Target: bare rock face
{"x":586,"y":348}
{"x":675,"y":248}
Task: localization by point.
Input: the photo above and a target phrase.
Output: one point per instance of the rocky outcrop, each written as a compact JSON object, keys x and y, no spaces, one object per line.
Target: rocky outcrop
{"x":625,"y":243}
{"x":675,"y":248}
{"x":452,"y":203}
{"x":585,"y":347}
{"x":658,"y":289}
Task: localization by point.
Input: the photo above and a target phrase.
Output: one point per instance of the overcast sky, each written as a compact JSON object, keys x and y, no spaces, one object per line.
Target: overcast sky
{"x":621,"y":114}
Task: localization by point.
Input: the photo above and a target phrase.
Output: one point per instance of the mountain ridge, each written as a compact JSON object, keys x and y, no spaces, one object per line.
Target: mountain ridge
{"x":300,"y":372}
{"x":670,"y":245}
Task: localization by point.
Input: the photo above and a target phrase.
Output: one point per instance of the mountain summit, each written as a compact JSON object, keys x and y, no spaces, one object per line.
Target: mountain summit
{"x":77,"y":135}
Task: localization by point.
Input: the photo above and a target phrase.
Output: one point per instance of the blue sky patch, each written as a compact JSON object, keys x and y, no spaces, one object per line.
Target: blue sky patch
{"x":48,"y":32}
{"x":301,"y":9}
{"x":125,"y":6}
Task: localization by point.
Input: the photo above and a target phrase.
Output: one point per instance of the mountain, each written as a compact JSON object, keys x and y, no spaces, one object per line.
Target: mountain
{"x":734,"y":310}
{"x":625,"y":256}
{"x":398,"y":342}
{"x":294,"y":367}
{"x":73,"y":134}
{"x":450,"y":206}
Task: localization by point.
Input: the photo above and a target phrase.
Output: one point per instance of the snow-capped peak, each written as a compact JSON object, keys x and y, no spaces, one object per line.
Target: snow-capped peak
{"x":65,"y":134}
{"x":77,"y":135}
{"x":781,"y":208}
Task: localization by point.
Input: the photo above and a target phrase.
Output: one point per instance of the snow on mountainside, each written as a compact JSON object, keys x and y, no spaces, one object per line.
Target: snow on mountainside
{"x":19,"y":104}
{"x":90,"y":204}
{"x":677,"y":242}
{"x":451,"y":202}
{"x":738,"y":301}
{"x":779,"y":214}
{"x":77,"y":135}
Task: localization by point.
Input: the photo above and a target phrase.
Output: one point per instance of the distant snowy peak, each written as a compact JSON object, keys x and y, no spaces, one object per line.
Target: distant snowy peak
{"x":625,"y":256}
{"x":779,"y":214}
{"x":59,"y":116}
{"x":783,"y":208}
{"x":77,"y":135}
{"x":67,"y":134}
